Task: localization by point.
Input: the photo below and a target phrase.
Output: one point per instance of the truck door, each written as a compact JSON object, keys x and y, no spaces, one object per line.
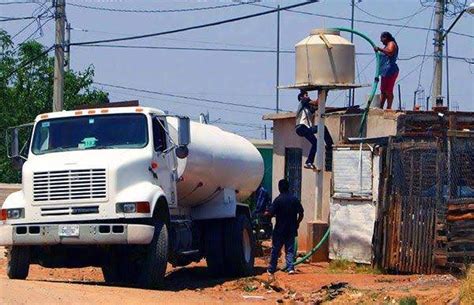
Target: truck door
{"x":165,"y":159}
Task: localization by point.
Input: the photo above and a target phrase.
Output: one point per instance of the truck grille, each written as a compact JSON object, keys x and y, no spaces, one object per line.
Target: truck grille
{"x":78,"y":184}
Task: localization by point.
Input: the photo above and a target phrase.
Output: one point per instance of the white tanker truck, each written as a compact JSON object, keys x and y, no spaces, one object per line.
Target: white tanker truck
{"x":129,"y":189}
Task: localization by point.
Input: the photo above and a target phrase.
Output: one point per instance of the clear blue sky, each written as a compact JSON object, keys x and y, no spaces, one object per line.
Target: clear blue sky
{"x":246,"y":78}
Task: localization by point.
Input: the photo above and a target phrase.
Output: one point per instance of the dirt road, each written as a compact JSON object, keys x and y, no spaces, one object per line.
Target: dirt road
{"x":192,"y":285}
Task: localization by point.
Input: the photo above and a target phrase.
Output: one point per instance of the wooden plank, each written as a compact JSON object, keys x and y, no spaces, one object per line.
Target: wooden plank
{"x":466,"y":216}
{"x":461,"y":207}
{"x":461,"y":254}
{"x":461,"y":241}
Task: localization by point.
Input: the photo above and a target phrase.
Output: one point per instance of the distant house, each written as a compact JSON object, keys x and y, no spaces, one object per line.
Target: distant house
{"x":265,"y":147}
{"x":357,"y":182}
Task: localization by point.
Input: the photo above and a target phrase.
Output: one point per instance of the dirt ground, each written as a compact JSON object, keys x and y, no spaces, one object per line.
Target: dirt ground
{"x":313,"y":284}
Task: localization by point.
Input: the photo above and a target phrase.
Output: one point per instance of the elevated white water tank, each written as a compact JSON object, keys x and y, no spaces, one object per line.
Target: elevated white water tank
{"x":324,"y":57}
{"x":217,"y":160}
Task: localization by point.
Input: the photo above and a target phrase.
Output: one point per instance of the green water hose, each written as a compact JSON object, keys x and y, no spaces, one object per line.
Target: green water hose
{"x":312,"y":251}
{"x":376,"y":77}
{"x":361,"y":131}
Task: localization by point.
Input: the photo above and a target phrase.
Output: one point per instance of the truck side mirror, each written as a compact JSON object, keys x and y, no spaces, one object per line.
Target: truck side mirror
{"x":18,"y":139}
{"x":184,"y":131}
{"x":184,"y":137}
{"x":13,"y":150}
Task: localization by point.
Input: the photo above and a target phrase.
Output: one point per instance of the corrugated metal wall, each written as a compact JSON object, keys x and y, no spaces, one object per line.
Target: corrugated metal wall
{"x":426,"y":216}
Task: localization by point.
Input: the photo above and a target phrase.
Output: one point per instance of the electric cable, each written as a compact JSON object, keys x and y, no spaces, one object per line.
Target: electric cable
{"x":178,"y":39}
{"x":145,"y":47}
{"x":200,"y":26}
{"x":27,"y":63}
{"x":426,"y":46}
{"x":185,"y":97}
{"x":127,"y":94}
{"x":40,"y":28}
{"x":207,"y":8}
{"x":385,"y":18}
{"x":360,"y":20}
{"x":7,"y":18}
{"x":188,"y":48}
{"x":18,"y":2}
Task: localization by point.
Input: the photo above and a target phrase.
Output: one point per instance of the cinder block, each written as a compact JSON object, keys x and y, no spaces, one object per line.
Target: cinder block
{"x":316,"y":232}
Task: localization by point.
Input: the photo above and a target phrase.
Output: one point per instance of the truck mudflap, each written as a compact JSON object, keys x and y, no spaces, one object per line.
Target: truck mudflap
{"x":76,"y":234}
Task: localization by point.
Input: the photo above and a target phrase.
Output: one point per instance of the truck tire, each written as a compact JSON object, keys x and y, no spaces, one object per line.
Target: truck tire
{"x":154,"y":266}
{"x":239,"y":246}
{"x":214,"y":247}
{"x":18,"y":262}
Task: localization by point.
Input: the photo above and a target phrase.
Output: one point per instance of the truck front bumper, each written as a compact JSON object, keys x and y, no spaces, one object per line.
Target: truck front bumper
{"x":83,"y":234}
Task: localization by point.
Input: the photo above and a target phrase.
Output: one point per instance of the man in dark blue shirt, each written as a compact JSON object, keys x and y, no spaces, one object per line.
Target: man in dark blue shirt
{"x":288,"y":212}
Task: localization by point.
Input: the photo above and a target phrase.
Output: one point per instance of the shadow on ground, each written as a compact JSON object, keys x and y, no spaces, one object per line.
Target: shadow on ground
{"x":190,"y":278}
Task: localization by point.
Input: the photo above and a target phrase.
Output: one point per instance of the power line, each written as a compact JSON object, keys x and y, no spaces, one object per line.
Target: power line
{"x":231,"y":123}
{"x":27,"y":63}
{"x":37,"y":18}
{"x":179,"y":39}
{"x":424,"y":52}
{"x":385,"y":18}
{"x":23,"y":29}
{"x":206,"y":25}
{"x":99,"y":8}
{"x":39,"y":28}
{"x":181,"y":102}
{"x":6,"y":18}
{"x":187,"y":48}
{"x":184,"y":97}
{"x":360,"y":20}
{"x":145,"y":47}
{"x":18,"y":2}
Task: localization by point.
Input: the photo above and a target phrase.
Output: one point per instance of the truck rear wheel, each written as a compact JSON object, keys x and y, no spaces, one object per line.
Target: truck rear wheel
{"x":239,"y":246}
{"x":154,"y":266}
{"x":18,"y":262}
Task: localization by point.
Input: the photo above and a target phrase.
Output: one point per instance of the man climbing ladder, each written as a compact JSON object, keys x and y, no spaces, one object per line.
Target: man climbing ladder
{"x":305,"y":126}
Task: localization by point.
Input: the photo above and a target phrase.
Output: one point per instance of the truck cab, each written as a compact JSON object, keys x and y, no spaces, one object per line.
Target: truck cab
{"x":106,"y":187}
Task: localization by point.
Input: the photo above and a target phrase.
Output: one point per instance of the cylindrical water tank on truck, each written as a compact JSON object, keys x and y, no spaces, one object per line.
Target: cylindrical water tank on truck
{"x":217,"y":159}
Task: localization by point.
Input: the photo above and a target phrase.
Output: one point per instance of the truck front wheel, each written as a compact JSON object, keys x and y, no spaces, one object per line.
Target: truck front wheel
{"x":18,"y":262}
{"x":154,"y":265}
{"x":239,"y":246}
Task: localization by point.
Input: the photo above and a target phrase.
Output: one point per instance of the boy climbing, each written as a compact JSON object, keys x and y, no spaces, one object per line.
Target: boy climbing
{"x":305,"y":126}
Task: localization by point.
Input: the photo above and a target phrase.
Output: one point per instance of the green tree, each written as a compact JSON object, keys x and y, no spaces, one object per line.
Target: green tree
{"x":27,"y":90}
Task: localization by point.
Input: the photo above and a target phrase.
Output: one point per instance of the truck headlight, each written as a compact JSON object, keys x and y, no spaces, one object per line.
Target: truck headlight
{"x":12,"y":214}
{"x":133,"y":207}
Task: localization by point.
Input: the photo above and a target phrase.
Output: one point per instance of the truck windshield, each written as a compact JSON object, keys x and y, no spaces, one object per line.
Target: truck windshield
{"x":90,"y":132}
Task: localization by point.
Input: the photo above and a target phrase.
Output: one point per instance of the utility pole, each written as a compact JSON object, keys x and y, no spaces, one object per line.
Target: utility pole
{"x":278,"y":62}
{"x":67,"y":57}
{"x":58,"y":87}
{"x":447,"y":73}
{"x":352,"y":91}
{"x":438,"y":54}
{"x":265,"y":129}
{"x":320,"y":155}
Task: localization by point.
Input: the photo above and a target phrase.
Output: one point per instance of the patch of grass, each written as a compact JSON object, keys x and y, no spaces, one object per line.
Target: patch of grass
{"x":345,"y":266}
{"x":248,"y":284}
{"x":467,"y":288}
{"x":374,"y":295}
{"x":408,"y":301}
